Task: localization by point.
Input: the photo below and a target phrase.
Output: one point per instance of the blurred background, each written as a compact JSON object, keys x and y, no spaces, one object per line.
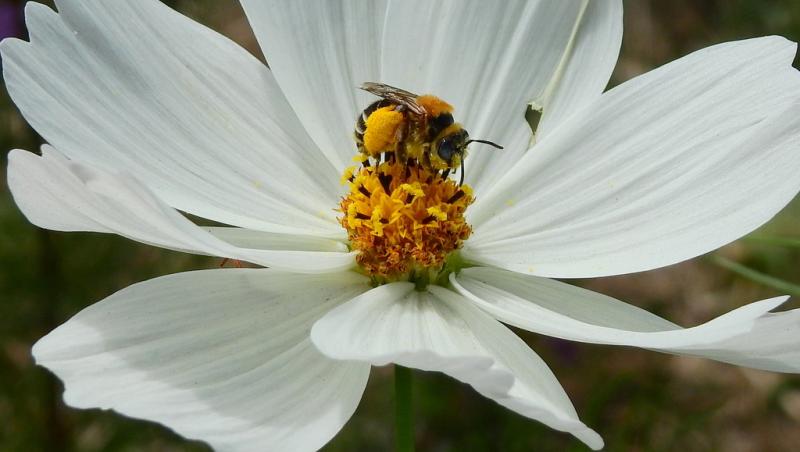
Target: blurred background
{"x":638,"y":400}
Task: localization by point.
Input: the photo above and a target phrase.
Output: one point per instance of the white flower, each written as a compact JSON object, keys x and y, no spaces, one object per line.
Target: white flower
{"x":147,"y":114}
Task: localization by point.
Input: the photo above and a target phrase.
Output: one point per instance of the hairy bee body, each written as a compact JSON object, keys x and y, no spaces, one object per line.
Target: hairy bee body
{"x":412,"y":129}
{"x":406,"y":135}
{"x":408,"y":127}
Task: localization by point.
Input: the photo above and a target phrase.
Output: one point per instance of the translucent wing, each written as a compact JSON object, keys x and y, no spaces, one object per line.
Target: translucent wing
{"x":396,"y":95}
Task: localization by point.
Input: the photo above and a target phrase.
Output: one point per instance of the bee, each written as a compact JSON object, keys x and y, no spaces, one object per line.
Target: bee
{"x":412,"y":129}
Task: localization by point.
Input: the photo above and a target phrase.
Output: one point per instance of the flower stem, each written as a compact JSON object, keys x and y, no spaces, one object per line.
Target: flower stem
{"x":756,"y":276}
{"x":403,"y":417}
{"x":772,"y":240}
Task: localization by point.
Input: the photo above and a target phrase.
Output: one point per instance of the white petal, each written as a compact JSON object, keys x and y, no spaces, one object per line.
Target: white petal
{"x":587,"y":65}
{"x":748,"y":336}
{"x":438,"y":330}
{"x":320,"y":53}
{"x":135,"y":86}
{"x":259,"y":240}
{"x":490,"y":61}
{"x":668,"y":166}
{"x":219,"y":355}
{"x":55,"y":193}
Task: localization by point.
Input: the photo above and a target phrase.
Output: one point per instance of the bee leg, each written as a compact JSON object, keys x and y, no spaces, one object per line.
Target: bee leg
{"x":445,"y":173}
{"x":461,"y":181}
{"x":426,"y":160}
{"x":400,"y":153}
{"x":402,"y":133}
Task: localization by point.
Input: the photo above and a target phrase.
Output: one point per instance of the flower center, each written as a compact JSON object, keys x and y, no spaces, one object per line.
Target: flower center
{"x":403,"y":219}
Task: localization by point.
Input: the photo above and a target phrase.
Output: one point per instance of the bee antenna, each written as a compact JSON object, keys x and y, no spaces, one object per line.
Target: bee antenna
{"x":495,"y":145}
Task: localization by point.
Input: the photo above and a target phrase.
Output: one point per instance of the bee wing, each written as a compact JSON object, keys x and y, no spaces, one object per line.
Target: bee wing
{"x":396,"y":95}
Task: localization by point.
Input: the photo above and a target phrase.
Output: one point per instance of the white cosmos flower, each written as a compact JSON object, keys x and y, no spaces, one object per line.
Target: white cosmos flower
{"x":148,"y":114}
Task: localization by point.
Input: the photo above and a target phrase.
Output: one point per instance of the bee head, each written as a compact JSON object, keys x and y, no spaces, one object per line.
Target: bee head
{"x":455,"y":144}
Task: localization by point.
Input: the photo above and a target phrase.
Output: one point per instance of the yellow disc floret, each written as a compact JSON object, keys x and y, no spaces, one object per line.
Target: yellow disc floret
{"x":401,"y":218}
{"x":383,"y":130}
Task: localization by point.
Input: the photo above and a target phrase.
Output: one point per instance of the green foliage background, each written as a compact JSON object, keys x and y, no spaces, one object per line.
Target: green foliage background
{"x":638,"y":400}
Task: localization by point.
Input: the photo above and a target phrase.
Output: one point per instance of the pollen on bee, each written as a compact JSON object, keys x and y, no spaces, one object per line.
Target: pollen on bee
{"x":382,"y":132}
{"x":403,"y":218}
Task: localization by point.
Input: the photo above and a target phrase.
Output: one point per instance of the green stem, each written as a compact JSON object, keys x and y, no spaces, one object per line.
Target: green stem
{"x":776,"y":283}
{"x":772,"y":240}
{"x":403,"y":417}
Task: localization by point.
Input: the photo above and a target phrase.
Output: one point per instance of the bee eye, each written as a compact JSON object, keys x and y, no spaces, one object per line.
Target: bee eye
{"x":446,"y":149}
